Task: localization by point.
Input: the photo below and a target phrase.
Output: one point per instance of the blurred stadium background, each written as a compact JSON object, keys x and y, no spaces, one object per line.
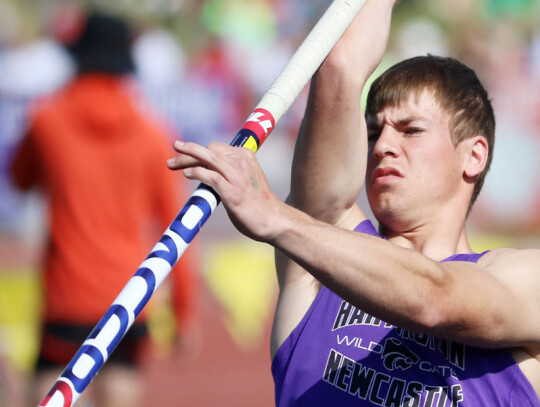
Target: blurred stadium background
{"x":204,"y":64}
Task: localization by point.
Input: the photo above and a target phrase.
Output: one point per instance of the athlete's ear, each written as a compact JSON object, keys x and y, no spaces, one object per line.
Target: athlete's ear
{"x":476,"y":156}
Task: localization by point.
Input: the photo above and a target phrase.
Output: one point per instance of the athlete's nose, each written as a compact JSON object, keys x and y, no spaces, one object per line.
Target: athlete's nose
{"x":387,"y":143}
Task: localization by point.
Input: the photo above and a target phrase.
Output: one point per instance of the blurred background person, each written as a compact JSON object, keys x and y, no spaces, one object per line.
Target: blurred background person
{"x":100,"y":164}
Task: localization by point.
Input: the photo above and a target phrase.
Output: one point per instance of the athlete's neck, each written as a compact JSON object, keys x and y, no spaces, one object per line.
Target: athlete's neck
{"x":437,"y":243}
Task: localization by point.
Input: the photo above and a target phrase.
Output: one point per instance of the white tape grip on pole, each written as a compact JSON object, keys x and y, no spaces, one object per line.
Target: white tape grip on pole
{"x":309,"y":56}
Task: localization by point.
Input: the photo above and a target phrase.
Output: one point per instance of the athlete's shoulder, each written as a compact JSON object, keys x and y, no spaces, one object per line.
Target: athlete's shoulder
{"x":509,"y":263}
{"x":507,"y":254}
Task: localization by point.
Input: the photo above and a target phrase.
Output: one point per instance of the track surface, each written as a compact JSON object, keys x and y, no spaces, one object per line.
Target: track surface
{"x":221,"y":374}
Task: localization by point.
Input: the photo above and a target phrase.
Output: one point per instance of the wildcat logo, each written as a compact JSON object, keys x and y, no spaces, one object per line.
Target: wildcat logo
{"x":397,"y":356}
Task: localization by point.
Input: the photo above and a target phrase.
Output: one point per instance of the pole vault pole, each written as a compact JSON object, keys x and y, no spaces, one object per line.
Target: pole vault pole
{"x":112,"y":327}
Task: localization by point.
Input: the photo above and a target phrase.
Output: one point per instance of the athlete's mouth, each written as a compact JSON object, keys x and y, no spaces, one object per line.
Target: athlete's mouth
{"x":386,"y":172}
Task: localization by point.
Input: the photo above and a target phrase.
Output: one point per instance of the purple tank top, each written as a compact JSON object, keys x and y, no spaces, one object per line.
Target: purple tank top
{"x":340,"y":356}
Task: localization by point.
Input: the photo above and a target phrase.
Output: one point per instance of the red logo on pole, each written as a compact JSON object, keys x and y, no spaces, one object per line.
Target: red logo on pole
{"x":261,"y":122}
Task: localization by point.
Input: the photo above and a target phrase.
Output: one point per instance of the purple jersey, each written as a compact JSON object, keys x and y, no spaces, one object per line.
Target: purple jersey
{"x":340,"y":356}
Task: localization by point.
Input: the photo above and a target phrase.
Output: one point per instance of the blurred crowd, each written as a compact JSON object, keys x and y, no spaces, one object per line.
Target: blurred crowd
{"x":203,"y":73}
{"x":203,"y":65}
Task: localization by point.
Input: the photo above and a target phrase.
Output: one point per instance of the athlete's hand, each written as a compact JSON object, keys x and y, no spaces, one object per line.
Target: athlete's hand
{"x":235,"y":174}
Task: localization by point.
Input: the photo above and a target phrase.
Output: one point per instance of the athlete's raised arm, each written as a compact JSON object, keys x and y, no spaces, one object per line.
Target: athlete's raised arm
{"x":330,"y":154}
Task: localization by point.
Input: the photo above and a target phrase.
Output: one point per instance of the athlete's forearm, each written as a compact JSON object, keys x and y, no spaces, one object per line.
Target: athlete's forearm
{"x":329,"y":160}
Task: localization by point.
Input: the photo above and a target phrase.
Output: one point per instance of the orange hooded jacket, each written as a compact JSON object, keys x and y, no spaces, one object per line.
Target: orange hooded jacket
{"x":101,"y":165}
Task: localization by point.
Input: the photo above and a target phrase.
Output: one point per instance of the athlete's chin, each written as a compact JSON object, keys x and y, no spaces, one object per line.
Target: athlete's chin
{"x":382,"y":199}
{"x":385,"y":215}
{"x":386,"y":208}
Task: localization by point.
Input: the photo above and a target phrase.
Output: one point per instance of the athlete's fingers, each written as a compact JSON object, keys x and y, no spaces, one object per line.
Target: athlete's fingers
{"x":187,"y":158}
{"x":186,"y":147}
{"x":182,"y":161}
{"x":221,"y":166}
{"x":231,"y":162}
{"x":193,"y":155}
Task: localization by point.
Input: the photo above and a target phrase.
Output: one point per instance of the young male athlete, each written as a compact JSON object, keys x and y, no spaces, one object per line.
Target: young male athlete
{"x":411,"y":317}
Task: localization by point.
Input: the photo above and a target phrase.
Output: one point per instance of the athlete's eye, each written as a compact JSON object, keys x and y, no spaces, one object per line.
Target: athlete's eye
{"x":412,"y":130}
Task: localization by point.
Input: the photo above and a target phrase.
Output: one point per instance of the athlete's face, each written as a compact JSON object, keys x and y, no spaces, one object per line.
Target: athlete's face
{"x":413,"y":167}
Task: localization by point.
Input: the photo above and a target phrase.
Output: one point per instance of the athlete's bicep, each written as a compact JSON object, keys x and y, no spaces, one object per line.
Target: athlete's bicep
{"x":519,"y":272}
{"x":492,"y":303}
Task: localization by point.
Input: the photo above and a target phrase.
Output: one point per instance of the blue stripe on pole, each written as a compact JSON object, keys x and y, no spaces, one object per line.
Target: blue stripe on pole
{"x":84,"y":366}
{"x":179,"y":226}
{"x":122,"y":314}
{"x":150,"y":278}
{"x":169,"y":255}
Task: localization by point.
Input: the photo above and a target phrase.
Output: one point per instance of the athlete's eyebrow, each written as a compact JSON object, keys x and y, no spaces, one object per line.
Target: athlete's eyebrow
{"x":409,"y":119}
{"x":374,"y":124}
